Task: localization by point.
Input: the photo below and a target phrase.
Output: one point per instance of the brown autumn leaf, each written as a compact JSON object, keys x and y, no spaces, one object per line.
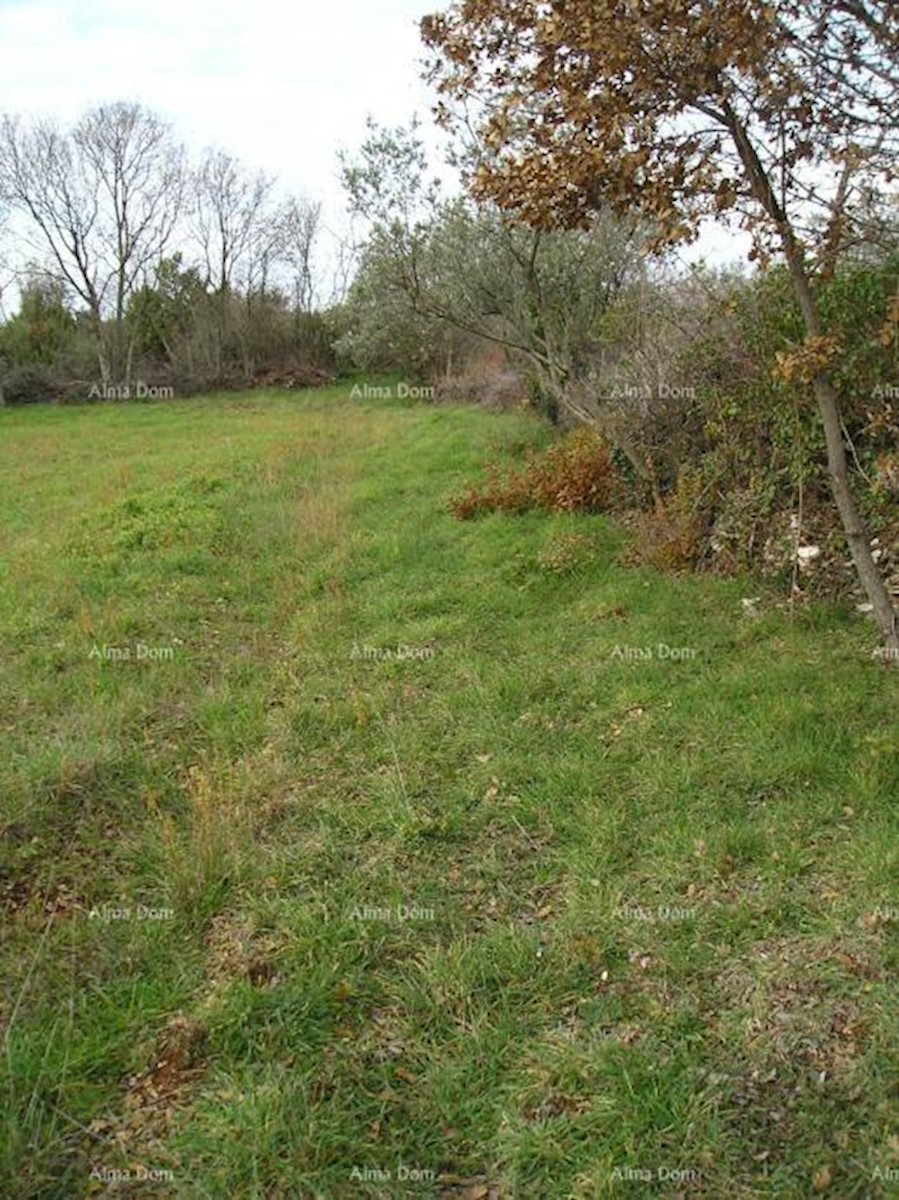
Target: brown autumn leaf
{"x":823,"y":1178}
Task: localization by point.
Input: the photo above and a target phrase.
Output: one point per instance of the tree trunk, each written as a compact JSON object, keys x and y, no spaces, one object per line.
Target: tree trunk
{"x":853,"y":526}
{"x":103,"y":363}
{"x":825,"y":394}
{"x":838,"y":470}
{"x":129,"y":360}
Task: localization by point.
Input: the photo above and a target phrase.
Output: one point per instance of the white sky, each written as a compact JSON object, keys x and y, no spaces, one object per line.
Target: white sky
{"x":282,"y":86}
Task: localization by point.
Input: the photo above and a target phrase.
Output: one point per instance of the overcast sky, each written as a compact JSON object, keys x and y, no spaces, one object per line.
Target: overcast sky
{"x":282,"y":86}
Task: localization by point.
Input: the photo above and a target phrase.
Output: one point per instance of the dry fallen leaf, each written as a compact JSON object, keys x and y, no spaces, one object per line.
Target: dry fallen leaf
{"x":823,"y":1178}
{"x":874,"y":920}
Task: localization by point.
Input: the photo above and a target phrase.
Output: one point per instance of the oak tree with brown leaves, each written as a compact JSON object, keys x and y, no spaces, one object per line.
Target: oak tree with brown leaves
{"x":777,"y":113}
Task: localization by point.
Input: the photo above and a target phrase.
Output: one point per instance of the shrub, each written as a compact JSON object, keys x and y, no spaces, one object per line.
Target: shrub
{"x":492,"y":387}
{"x":675,"y":535}
{"x":575,"y":475}
{"x":27,"y":383}
{"x":504,"y":491}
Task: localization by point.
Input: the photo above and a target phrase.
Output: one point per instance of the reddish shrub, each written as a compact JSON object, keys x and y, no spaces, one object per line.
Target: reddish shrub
{"x":574,"y":475}
{"x":675,"y":535}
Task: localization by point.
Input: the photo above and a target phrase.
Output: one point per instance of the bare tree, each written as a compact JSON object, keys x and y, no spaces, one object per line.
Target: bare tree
{"x":299,"y":226}
{"x":100,"y":204}
{"x":230,"y":206}
{"x":345,"y":255}
{"x":231,"y":223}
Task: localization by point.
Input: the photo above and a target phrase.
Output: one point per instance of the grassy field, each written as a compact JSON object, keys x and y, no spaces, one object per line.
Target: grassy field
{"x":350,"y":850}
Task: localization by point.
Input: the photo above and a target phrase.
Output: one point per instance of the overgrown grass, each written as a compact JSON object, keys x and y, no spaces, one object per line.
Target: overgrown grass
{"x":354,"y":851}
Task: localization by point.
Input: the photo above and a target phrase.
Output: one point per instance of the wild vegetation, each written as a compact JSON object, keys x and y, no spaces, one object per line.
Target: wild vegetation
{"x":743,"y":436}
{"x":139,"y":270}
{"x":781,"y":112}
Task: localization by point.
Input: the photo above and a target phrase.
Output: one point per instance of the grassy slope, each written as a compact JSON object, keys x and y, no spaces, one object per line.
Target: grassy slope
{"x":506,"y":911}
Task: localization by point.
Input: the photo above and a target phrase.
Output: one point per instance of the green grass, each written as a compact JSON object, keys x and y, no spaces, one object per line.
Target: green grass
{"x":418,"y":864}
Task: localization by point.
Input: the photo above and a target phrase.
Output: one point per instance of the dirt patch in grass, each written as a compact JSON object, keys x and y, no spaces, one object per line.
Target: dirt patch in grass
{"x":788,"y":1013}
{"x":237,"y":950}
{"x":129,"y":1150}
{"x":791,"y":1040}
{"x":23,"y":897}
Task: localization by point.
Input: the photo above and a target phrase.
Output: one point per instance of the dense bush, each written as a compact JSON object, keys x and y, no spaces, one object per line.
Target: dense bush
{"x":674,"y":536}
{"x":700,"y":396}
{"x":710,"y":435}
{"x":27,"y":383}
{"x":176,"y":334}
{"x":574,"y":475}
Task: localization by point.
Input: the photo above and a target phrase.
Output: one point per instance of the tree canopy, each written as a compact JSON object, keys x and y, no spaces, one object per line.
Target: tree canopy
{"x":683,"y":108}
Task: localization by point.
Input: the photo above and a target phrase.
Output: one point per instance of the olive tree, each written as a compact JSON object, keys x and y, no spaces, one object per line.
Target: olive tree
{"x":432,"y":266}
